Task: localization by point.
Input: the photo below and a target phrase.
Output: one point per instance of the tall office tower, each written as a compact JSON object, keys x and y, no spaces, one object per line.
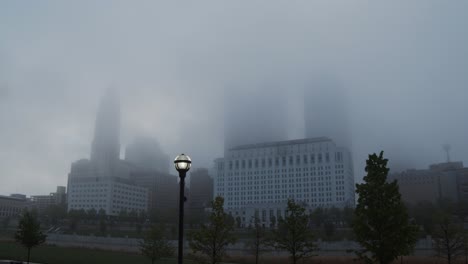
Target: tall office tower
{"x":147,"y":154}
{"x":200,"y":194}
{"x":257,"y":115}
{"x":258,"y":179}
{"x":105,"y":149}
{"x":326,"y":111}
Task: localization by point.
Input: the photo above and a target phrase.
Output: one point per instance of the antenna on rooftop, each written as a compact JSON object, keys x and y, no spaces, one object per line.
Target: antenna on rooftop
{"x":447,"y":148}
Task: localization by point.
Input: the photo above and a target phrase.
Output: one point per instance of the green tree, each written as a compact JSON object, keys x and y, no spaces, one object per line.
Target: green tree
{"x":211,"y":240}
{"x":29,"y":232}
{"x":293,"y":234}
{"x":381,"y":222}
{"x":155,"y":245}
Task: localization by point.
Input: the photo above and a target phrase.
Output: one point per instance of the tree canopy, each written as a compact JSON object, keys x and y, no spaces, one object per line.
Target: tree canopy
{"x":211,"y":240}
{"x":29,"y":232}
{"x":381,"y":222}
{"x":293,"y":234}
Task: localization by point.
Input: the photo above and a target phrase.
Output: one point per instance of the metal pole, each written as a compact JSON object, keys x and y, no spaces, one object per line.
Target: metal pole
{"x":181,"y":217}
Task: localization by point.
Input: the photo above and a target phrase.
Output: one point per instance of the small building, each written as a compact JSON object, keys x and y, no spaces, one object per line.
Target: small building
{"x":111,"y":194}
{"x":12,"y":206}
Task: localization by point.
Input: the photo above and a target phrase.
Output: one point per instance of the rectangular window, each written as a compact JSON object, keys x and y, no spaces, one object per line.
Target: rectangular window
{"x":305,"y":159}
{"x":298,"y":159}
{"x":290,"y":160}
{"x":276,"y":162}
{"x":320,"y":158}
{"x":312,"y":158}
{"x":263,"y":163}
{"x":327,"y":157}
{"x":250,"y":164}
{"x":284,"y":161}
{"x":230,"y":165}
{"x":269,"y":162}
{"x":243,"y":164}
{"x":256,"y":163}
{"x":237,"y":164}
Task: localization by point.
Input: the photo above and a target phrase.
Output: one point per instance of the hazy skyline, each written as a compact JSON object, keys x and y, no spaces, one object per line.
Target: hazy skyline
{"x":402,"y":64}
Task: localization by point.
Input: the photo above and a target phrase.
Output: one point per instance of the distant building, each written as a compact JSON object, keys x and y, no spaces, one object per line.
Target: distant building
{"x":326,"y":111}
{"x":262,"y":177}
{"x":111,"y":194}
{"x":441,"y":181}
{"x":42,"y":202}
{"x":200,"y":194}
{"x":146,"y":154}
{"x":106,"y":182}
{"x":12,"y":206}
{"x":162,"y":189}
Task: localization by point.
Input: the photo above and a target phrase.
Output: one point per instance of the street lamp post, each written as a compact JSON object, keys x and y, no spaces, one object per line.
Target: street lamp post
{"x":182,"y":164}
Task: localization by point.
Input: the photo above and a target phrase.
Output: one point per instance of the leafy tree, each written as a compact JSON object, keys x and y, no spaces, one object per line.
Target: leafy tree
{"x":29,"y":232}
{"x":449,"y":239}
{"x":293,"y":234}
{"x":212,"y":238}
{"x":155,"y":245}
{"x":259,"y":241}
{"x":381,"y":222}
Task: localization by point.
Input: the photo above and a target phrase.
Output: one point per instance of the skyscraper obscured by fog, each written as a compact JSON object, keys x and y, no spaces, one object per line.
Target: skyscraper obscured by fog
{"x":147,"y":154}
{"x":256,"y":115}
{"x":326,"y":111}
{"x":105,"y":149}
{"x":106,"y":182}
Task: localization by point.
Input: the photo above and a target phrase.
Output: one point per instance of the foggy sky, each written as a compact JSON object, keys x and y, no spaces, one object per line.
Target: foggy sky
{"x":403,"y":65}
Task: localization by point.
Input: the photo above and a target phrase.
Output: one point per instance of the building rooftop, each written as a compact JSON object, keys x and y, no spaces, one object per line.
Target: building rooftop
{"x":282,"y":143}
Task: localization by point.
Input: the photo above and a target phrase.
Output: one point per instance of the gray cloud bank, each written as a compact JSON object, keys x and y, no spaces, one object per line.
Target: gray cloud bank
{"x":190,"y":73}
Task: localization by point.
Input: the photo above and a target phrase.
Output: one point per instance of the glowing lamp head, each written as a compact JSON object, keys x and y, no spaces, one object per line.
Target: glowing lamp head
{"x":182,"y":163}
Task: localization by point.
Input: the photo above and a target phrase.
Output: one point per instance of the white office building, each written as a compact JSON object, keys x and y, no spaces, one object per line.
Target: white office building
{"x":258,"y":179}
{"x":111,"y":194}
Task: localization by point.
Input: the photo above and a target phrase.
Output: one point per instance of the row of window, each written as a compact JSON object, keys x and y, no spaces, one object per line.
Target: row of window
{"x":284,"y":161}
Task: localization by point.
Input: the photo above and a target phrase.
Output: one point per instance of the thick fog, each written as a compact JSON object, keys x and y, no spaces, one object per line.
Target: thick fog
{"x":188,"y":74}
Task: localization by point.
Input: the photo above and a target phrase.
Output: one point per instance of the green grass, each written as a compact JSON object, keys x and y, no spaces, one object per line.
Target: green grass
{"x":60,"y":255}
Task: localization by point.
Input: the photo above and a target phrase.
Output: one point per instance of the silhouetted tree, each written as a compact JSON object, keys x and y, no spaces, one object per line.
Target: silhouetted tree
{"x":258,"y":242}
{"x":29,"y":232}
{"x":212,"y":238}
{"x":449,"y":238}
{"x":381,"y":222}
{"x":293,"y":234}
{"x":155,"y":245}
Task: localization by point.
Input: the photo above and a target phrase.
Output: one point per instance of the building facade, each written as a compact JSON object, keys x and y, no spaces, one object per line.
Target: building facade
{"x":200,"y":194}
{"x":447,"y":180}
{"x":11,"y":206}
{"x":113,"y":195}
{"x":262,"y":177}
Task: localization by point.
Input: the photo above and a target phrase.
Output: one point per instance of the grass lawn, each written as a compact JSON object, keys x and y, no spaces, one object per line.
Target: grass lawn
{"x":60,"y":255}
